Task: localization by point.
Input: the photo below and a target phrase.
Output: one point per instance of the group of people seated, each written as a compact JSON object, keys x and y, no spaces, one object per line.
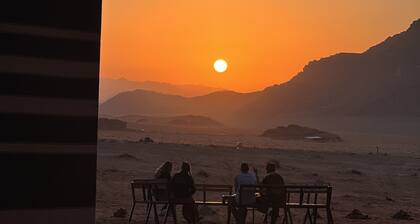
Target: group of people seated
{"x":183,"y":188}
{"x":263,"y":200}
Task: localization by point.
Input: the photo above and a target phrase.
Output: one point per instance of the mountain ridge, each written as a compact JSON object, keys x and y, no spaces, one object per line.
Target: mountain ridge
{"x":111,"y":87}
{"x":384,"y":80}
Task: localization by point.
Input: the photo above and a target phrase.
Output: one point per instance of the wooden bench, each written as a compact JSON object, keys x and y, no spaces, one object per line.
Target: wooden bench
{"x":249,"y":196}
{"x":203,"y":192}
{"x":143,"y":193}
{"x":205,"y":189}
{"x":309,"y":197}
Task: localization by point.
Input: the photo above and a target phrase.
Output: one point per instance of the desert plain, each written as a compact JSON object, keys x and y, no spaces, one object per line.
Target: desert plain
{"x":377,"y":174}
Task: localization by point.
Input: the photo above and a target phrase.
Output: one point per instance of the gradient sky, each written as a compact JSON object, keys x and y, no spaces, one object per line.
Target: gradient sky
{"x":264,"y":41}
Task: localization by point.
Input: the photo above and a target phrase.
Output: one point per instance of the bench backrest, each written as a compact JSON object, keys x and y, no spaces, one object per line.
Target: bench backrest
{"x":270,"y":195}
{"x":213,"y":192}
{"x":296,"y":195}
{"x":304,"y":195}
{"x":146,"y":190}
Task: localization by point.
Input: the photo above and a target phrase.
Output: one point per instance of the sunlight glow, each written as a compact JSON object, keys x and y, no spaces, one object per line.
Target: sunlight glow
{"x":220,"y":65}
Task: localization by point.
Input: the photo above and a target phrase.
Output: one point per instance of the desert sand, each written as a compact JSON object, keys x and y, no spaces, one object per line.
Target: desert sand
{"x":378,"y":183}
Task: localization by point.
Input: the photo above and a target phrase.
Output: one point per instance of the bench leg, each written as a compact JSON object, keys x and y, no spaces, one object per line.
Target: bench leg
{"x":149,"y":209}
{"x":229,"y":213}
{"x":168,"y":208}
{"x":315,"y":215}
{"x":329,"y":216}
{"x":265,"y":218}
{"x":195,"y":214}
{"x":290,"y":215}
{"x":253,"y":215}
{"x":173,"y":209}
{"x":131,"y":213}
{"x":307,"y":217}
{"x":155,"y":213}
{"x":285,"y":216}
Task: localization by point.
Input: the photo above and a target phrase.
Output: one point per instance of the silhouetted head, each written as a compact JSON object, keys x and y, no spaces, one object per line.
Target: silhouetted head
{"x":244,"y":167}
{"x":186,"y":168}
{"x":164,"y":170}
{"x":270,"y":167}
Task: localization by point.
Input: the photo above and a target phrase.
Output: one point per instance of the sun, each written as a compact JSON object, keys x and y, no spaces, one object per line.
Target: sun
{"x":220,"y":65}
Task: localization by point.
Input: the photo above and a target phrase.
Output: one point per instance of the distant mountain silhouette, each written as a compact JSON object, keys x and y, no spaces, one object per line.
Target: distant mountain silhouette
{"x":111,"y":87}
{"x":382,"y":81}
{"x":183,"y":120}
{"x":142,"y":102}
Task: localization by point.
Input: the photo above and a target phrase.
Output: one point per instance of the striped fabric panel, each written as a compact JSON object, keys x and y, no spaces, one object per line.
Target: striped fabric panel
{"x":40,"y":31}
{"x":53,"y":68}
{"x":18,"y":84}
{"x":78,"y":15}
{"x":49,"y":76}
{"x":49,"y":47}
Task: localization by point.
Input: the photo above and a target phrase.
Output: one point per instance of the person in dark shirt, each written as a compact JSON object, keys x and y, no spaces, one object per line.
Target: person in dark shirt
{"x":163,"y":172}
{"x":276,"y":198}
{"x":183,"y":189}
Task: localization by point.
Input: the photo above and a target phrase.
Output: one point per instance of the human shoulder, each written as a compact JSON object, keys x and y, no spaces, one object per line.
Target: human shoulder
{"x":272,"y":178}
{"x":278,"y":176}
{"x":239,"y":176}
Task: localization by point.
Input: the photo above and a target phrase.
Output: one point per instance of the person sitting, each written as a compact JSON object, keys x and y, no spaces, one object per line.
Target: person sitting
{"x":183,"y":189}
{"x":163,"y":172}
{"x":275,"y":198}
{"x":244,"y":178}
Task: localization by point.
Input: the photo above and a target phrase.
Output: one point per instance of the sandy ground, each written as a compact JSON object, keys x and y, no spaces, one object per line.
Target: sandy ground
{"x":394,"y":172}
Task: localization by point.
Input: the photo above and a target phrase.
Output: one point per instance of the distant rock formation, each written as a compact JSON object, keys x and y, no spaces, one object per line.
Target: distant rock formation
{"x":146,"y":140}
{"x":296,"y":132}
{"x":111,"y":124}
{"x":357,"y":214}
{"x":402,"y":215}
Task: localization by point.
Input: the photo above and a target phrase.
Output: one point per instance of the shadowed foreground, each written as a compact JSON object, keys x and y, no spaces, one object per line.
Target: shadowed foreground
{"x":379,"y":185}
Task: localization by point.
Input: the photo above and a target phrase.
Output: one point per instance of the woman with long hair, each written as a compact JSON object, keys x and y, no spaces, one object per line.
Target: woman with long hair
{"x":183,"y":188}
{"x":164,"y":171}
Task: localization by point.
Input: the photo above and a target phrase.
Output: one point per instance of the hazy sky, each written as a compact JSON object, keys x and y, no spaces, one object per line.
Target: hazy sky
{"x":264,"y":41}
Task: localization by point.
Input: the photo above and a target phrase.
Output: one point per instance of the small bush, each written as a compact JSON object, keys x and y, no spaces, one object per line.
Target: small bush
{"x":120,"y":213}
{"x":357,"y":172}
{"x":127,"y":156}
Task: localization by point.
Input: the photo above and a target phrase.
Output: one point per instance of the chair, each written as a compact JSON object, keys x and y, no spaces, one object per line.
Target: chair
{"x":310,"y":198}
{"x":144,"y":191}
{"x":257,"y":197}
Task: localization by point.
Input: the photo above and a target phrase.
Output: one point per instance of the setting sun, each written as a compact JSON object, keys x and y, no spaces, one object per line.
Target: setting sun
{"x":220,"y":65}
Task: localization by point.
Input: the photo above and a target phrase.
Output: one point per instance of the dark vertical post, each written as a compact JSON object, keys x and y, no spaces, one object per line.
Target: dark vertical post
{"x":49,"y":76}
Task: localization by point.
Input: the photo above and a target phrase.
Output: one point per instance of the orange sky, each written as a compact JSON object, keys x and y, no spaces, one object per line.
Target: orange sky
{"x":264,"y":41}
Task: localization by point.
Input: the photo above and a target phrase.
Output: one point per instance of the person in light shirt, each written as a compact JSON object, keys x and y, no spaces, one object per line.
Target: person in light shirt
{"x":244,"y":178}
